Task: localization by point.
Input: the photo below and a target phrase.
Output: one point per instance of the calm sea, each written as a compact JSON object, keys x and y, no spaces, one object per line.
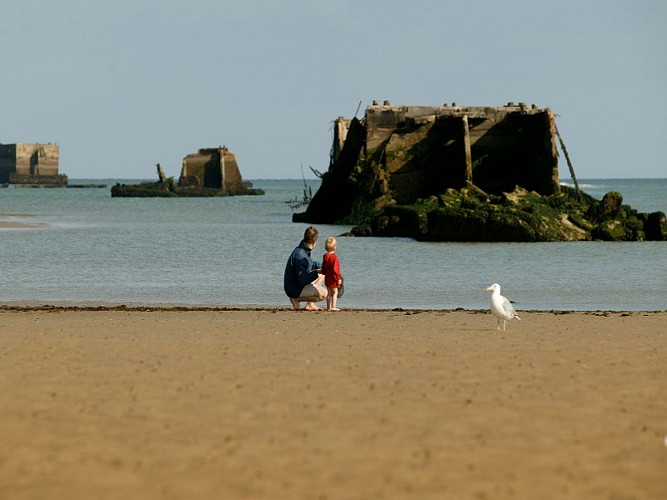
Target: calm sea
{"x":91,"y":248}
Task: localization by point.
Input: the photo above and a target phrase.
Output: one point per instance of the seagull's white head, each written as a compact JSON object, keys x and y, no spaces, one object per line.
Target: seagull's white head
{"x":493,"y":288}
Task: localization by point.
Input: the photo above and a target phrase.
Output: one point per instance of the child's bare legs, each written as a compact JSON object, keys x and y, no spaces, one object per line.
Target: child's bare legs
{"x":332,"y":299}
{"x":329,"y":298}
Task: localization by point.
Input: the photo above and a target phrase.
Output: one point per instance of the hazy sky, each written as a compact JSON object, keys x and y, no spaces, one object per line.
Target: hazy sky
{"x":121,"y":85}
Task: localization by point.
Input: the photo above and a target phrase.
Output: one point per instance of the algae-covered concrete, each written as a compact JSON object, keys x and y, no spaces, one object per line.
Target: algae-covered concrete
{"x":456,"y":173}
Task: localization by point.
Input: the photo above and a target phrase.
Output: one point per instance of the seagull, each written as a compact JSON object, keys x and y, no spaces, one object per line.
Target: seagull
{"x":500,"y":306}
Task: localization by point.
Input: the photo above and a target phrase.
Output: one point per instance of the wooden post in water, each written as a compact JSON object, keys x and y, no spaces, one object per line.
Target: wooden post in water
{"x":567,"y":158}
{"x":160,"y":173}
{"x":466,"y":147}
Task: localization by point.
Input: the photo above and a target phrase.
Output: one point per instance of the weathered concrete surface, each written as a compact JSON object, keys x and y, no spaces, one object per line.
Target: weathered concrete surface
{"x":451,"y":173}
{"x":214,"y":168}
{"x":23,"y":163}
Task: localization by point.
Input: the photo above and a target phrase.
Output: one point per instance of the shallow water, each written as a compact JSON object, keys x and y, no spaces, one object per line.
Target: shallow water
{"x":232,"y":251}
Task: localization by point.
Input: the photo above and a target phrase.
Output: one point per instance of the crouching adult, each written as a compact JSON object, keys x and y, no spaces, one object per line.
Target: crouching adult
{"x":304,"y":281}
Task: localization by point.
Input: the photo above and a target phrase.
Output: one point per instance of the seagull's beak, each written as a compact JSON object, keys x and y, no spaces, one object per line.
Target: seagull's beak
{"x":489,"y":289}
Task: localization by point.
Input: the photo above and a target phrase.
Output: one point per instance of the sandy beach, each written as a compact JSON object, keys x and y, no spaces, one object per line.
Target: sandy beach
{"x":132,"y":404}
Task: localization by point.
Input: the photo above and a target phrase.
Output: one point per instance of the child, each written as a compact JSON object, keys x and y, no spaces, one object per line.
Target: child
{"x":331,"y":271}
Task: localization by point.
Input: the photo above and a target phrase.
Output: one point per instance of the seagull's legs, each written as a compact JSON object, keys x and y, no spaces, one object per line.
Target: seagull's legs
{"x":504,"y":324}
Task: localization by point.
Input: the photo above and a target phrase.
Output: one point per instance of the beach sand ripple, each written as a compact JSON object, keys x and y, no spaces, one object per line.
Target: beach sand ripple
{"x":357,"y":404}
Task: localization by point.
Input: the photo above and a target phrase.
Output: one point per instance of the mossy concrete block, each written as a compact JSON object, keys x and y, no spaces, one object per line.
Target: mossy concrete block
{"x":609,"y":208}
{"x":609,"y":230}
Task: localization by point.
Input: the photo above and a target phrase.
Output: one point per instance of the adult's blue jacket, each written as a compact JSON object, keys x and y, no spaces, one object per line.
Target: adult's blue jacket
{"x":299,"y":270}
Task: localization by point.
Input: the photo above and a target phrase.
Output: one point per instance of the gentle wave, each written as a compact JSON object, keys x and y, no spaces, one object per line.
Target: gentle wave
{"x":584,"y":186}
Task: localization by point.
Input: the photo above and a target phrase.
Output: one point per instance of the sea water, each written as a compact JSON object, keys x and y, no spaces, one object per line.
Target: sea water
{"x":89,"y":248}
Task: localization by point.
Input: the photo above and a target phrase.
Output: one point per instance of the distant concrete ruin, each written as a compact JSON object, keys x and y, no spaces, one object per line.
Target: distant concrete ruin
{"x":208,"y":172}
{"x":23,"y":163}
{"x":214,"y":168}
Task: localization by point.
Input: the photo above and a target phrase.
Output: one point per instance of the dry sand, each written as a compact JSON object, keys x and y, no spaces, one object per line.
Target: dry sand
{"x":357,"y":404}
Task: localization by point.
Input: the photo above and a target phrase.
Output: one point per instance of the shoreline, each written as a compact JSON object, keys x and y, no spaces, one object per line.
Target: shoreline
{"x":141,"y":307}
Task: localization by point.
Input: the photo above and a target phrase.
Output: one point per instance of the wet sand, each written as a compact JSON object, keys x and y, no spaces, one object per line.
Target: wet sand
{"x":14,"y":221}
{"x":117,"y":403}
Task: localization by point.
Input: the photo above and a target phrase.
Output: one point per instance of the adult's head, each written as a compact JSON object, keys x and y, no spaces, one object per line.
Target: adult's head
{"x":310,"y":236}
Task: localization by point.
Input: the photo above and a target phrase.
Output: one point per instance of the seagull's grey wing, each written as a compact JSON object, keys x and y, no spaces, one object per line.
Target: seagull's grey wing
{"x":508,"y":307}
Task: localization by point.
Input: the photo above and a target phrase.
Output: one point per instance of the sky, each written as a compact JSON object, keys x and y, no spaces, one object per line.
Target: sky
{"x":123,"y":85}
